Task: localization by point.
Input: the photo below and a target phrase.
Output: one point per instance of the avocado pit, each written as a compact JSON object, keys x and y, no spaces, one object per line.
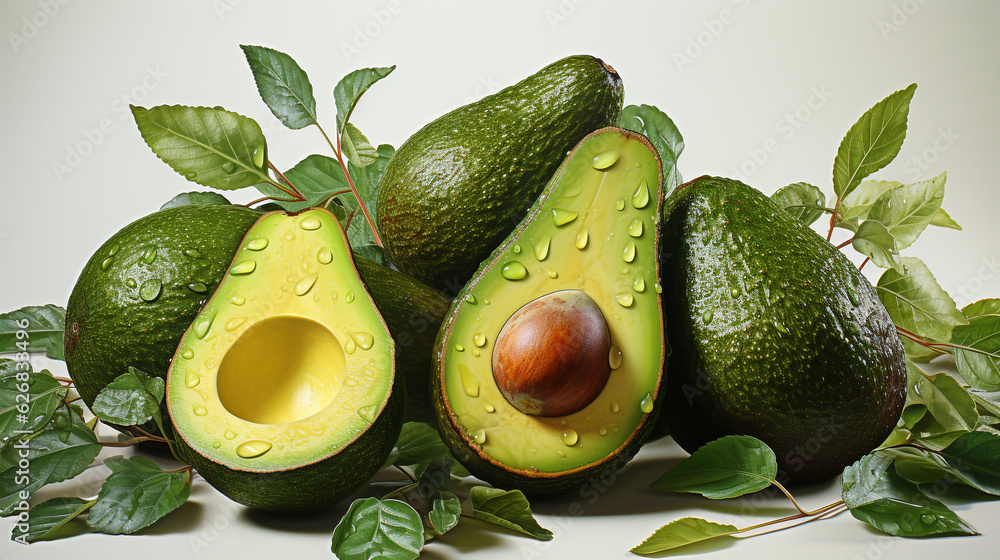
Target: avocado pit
{"x":551,"y":356}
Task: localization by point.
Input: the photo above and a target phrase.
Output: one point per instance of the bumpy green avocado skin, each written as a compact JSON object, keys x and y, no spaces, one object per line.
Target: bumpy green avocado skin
{"x":775,"y":334}
{"x":461,"y":184}
{"x":143,"y":287}
{"x":413,"y":311}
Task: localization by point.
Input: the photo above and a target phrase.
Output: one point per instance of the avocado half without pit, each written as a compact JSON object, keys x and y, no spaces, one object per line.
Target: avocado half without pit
{"x":283,"y":391}
{"x":548,"y":365}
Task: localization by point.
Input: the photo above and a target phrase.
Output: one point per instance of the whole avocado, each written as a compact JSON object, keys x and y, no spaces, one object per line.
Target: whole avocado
{"x":461,"y":184}
{"x":775,"y":334}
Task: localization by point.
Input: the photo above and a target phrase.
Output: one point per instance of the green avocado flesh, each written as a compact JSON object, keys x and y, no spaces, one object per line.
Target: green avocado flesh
{"x":775,"y":334}
{"x":142,"y":289}
{"x":458,"y":186}
{"x":591,"y":238}
{"x":283,"y":389}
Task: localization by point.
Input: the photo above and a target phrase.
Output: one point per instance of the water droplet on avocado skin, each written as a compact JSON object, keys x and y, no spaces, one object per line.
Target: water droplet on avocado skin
{"x":150,"y":290}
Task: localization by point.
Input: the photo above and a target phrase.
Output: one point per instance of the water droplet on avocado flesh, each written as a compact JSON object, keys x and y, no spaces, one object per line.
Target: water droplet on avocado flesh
{"x":582,"y":222}
{"x":273,"y":374}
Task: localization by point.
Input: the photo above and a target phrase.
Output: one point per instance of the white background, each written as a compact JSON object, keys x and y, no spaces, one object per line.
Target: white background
{"x":737,"y":76}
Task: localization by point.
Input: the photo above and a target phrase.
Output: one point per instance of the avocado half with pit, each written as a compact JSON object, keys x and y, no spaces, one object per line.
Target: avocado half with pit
{"x":548,"y":365}
{"x":283,"y":390}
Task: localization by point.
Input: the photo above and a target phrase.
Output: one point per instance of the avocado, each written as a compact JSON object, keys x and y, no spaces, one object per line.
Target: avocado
{"x":458,"y":186}
{"x":143,"y":287}
{"x":283,"y":391}
{"x":776,"y":335}
{"x":413,"y":311}
{"x":548,"y":365}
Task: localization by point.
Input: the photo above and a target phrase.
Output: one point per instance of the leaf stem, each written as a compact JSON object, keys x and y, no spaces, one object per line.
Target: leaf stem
{"x":334,"y":195}
{"x":294,"y":193}
{"x":864,"y":262}
{"x":845,"y":243}
{"x":796,"y":504}
{"x":258,"y":201}
{"x":826,"y":513}
{"x":833,"y":219}
{"x":919,"y":340}
{"x":816,"y":514}
{"x":65,"y":380}
{"x":149,"y":435}
{"x":406,"y":472}
{"x":357,"y":195}
{"x":128,"y":442}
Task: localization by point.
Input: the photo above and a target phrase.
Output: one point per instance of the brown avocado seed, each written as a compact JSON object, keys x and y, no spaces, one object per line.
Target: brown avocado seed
{"x":551,"y":356}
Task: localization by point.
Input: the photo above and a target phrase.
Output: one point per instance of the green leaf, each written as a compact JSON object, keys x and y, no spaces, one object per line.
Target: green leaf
{"x":196,"y":198}
{"x":684,"y":531}
{"x":316,"y":177}
{"x":41,"y":329}
{"x":47,"y":517}
{"x":942,"y":219}
{"x":283,"y":86}
{"x":418,"y":445}
{"x":52,"y":460}
{"x":874,"y":241}
{"x":383,"y":529}
{"x":507,"y":508}
{"x":805,"y":202}
{"x":725,"y":468}
{"x":655,"y":125}
{"x":872,"y":142}
{"x":366,"y":180}
{"x":906,"y":211}
{"x":209,"y":146}
{"x":977,"y":356}
{"x":446,"y":509}
{"x":436,"y":476}
{"x":132,"y":398}
{"x":987,"y":403}
{"x":916,"y":302}
{"x":881,"y":498}
{"x":973,"y":458}
{"x":855,"y":206}
{"x":981,"y":308}
{"x":357,"y":148}
{"x":137,"y":494}
{"x":44,"y":394}
{"x":350,"y":89}
{"x":945,"y":399}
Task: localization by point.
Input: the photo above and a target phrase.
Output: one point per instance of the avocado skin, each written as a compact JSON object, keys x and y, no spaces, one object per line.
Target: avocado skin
{"x":413,"y":311}
{"x":791,"y":360}
{"x":458,"y":186}
{"x":315,"y":486}
{"x":109,"y":327}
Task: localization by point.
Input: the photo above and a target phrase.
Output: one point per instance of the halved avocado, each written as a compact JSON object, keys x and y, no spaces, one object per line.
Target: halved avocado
{"x":548,"y":365}
{"x":283,"y":390}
